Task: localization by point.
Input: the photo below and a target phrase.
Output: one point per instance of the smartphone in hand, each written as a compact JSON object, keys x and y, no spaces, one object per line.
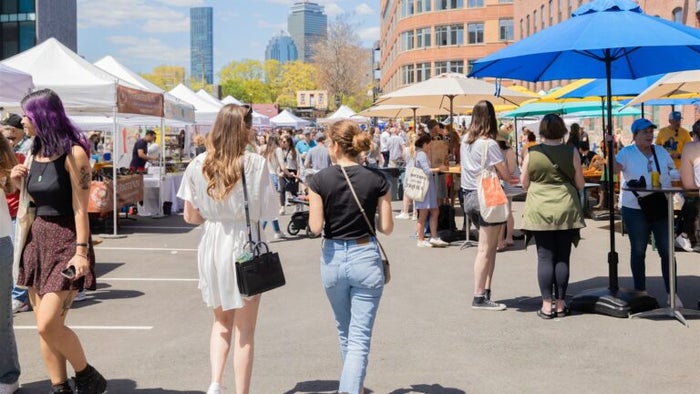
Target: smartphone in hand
{"x":69,"y":272}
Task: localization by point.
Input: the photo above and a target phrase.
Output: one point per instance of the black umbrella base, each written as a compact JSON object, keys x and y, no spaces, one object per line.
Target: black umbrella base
{"x":622,"y":303}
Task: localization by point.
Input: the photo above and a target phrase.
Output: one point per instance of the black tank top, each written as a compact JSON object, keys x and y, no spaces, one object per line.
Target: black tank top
{"x":50,"y":188}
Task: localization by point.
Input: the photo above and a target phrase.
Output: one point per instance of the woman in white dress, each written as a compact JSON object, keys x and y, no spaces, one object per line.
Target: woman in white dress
{"x":213,"y":194}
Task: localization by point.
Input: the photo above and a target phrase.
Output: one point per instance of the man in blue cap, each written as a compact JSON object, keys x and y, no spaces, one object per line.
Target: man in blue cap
{"x":673,"y":137}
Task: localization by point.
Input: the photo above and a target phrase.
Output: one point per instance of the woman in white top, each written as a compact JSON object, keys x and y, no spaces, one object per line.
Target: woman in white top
{"x":213,"y":192}
{"x":9,"y":362}
{"x":288,"y":159}
{"x":480,"y":139}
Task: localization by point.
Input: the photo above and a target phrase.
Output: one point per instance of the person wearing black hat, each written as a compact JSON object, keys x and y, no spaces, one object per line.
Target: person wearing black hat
{"x":139,"y":156}
{"x":14,"y":131}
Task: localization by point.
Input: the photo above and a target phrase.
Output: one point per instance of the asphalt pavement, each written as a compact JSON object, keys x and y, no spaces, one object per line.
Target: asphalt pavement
{"x":147,"y":330}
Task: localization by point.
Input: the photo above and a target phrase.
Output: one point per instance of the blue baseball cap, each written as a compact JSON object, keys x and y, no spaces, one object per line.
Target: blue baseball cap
{"x":641,"y":124}
{"x":675,"y":115}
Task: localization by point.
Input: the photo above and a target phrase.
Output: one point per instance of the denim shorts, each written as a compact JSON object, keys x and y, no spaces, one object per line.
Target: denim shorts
{"x":471,"y":208}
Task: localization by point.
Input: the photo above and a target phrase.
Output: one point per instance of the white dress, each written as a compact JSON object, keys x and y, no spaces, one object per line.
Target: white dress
{"x":224,"y":232}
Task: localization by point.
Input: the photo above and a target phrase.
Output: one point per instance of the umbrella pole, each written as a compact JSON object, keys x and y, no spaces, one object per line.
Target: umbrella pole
{"x":515,"y":130}
{"x":642,"y":110}
{"x":612,"y":301}
{"x":451,"y":97}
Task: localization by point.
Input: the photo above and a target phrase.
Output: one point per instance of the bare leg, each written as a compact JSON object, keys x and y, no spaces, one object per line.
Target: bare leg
{"x":485,"y":261}
{"x":220,"y":342}
{"x":434,"y":213}
{"x":244,"y":328}
{"x":58,"y":343}
{"x":420,"y":224}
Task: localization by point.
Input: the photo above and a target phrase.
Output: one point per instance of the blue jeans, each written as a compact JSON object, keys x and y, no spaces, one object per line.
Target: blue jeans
{"x":17,"y":293}
{"x":639,"y":231}
{"x":9,"y":362}
{"x":353,"y":278}
{"x":275,"y":223}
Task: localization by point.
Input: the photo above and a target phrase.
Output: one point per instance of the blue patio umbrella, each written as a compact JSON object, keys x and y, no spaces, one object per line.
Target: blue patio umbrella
{"x":602,"y":39}
{"x":620,"y":87}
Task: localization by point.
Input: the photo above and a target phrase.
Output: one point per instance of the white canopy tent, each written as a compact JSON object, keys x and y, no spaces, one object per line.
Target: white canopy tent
{"x":14,"y":85}
{"x":205,"y":111}
{"x":86,"y":89}
{"x":259,"y":119}
{"x":288,"y":119}
{"x":231,"y":100}
{"x":344,"y":112}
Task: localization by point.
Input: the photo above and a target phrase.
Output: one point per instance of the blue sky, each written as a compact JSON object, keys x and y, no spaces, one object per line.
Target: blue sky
{"x":143,"y":34}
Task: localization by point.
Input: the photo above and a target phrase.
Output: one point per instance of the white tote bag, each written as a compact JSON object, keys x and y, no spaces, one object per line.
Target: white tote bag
{"x":493,"y":204}
{"x":415,"y":184}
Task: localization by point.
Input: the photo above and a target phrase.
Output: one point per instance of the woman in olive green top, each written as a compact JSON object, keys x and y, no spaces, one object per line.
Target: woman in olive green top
{"x":552,"y":176}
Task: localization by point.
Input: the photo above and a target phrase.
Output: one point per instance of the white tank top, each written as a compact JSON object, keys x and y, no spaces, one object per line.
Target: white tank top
{"x":696,"y":170}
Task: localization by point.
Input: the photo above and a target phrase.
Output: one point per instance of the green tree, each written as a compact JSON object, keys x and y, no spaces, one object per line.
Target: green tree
{"x":166,"y":77}
{"x":296,"y":76}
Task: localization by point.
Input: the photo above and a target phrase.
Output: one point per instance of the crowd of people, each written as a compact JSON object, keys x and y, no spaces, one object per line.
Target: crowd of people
{"x":44,"y":158}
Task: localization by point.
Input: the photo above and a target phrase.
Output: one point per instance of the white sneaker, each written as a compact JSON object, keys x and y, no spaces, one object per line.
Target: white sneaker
{"x":683,"y":242}
{"x":438,"y":243}
{"x":414,"y":217}
{"x":215,"y":388}
{"x":280,"y":235}
{"x":281,"y":212}
{"x":402,"y":215}
{"x":19,"y":306}
{"x":9,"y":388}
{"x":80,"y":296}
{"x":679,"y":303}
{"x":423,"y":244}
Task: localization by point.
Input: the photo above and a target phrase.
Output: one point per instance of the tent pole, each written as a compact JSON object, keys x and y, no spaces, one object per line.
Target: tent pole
{"x":415,"y":120}
{"x":115,"y":149}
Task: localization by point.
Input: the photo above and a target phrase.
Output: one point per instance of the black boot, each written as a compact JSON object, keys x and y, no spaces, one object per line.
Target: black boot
{"x":62,"y":388}
{"x":89,"y":381}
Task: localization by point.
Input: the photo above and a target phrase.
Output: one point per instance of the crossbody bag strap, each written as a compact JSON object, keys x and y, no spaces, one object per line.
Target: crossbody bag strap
{"x":245,"y":205}
{"x":362,"y":210}
{"x":656,"y":160}
{"x":556,"y":166}
{"x":23,"y":194}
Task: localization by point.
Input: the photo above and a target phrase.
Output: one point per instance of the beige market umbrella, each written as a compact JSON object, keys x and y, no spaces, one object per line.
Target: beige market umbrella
{"x":450,"y":90}
{"x":401,"y":111}
{"x":682,"y":84}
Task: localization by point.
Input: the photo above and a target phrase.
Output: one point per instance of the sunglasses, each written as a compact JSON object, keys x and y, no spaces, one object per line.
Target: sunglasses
{"x":249,"y":108}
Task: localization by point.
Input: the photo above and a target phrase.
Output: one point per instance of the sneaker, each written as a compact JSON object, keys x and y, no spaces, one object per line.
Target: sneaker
{"x":281,"y":212}
{"x":480,"y":302}
{"x":679,"y":303}
{"x":280,"y":235}
{"x":414,"y":217}
{"x":62,"y":388}
{"x":402,"y":215}
{"x":683,"y":242}
{"x":89,"y":381}
{"x":9,"y":388}
{"x":424,"y":244}
{"x":215,"y":388}
{"x":80,"y":296}
{"x":19,"y":306}
{"x":438,"y":243}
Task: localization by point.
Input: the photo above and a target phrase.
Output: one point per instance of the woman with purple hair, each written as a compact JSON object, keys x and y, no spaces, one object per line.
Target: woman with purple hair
{"x":57,"y":179}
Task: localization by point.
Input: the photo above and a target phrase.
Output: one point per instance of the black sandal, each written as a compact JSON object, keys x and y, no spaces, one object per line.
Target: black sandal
{"x":565,"y":312}
{"x":546,"y":316}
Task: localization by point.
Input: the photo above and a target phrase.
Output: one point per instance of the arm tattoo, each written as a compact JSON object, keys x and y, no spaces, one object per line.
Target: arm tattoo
{"x":85,"y":178}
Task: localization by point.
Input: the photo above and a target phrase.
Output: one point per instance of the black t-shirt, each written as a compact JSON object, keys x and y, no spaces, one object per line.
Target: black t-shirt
{"x":342,"y":217}
{"x":136,"y":161}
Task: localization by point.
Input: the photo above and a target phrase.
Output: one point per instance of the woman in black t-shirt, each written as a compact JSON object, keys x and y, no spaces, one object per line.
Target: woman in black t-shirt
{"x":351,"y":264}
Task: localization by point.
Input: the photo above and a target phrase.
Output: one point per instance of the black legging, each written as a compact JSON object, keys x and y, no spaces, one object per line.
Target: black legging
{"x":553,"y":253}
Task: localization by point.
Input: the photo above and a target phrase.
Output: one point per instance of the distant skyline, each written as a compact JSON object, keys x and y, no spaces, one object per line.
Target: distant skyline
{"x":143,"y":34}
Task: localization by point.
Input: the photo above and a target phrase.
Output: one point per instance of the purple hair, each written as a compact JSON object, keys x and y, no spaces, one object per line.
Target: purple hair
{"x":55,"y":133}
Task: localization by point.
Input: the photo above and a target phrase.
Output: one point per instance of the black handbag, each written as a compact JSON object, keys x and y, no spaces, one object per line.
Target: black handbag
{"x":653,"y":205}
{"x":262,"y":271}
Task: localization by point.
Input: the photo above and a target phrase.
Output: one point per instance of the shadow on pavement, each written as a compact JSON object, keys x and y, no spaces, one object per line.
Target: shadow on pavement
{"x":113,"y":386}
{"x":314,"y":386}
{"x":428,"y":389}
{"x":104,"y":293}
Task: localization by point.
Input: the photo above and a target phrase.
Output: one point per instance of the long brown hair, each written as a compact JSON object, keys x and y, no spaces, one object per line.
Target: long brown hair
{"x":226,"y":144}
{"x":7,"y":161}
{"x":484,"y":123}
{"x":271,"y":147}
{"x":350,"y":137}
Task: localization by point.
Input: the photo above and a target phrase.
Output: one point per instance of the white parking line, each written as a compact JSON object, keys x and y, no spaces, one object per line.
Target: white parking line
{"x":150,"y":279}
{"x":94,"y":327}
{"x":146,"y":249}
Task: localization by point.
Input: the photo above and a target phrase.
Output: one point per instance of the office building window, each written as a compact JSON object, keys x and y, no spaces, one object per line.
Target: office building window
{"x":407,"y":75}
{"x":505,"y":29}
{"x":570,"y":5}
{"x":423,"y":5}
{"x":559,"y":10}
{"x":542,"y":16}
{"x":407,"y":40}
{"x":406,"y":8}
{"x":678,"y":15}
{"x":549,"y":13}
{"x":476,"y":33}
{"x":527,"y":26}
{"x":522,"y":32}
{"x":423,"y":38}
{"x":451,"y":66}
{"x":534,"y":21}
{"x":475,"y":3}
{"x":449,"y":35}
{"x":441,"y":5}
{"x":505,"y":1}
{"x":422,"y":72}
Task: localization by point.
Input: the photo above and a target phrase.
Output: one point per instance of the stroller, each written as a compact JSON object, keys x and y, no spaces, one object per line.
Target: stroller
{"x":300,"y":219}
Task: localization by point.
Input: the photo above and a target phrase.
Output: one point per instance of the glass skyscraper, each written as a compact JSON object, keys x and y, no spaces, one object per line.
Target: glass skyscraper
{"x":307,"y":24}
{"x":281,"y":48}
{"x":24,"y":23}
{"x":202,"y":44}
